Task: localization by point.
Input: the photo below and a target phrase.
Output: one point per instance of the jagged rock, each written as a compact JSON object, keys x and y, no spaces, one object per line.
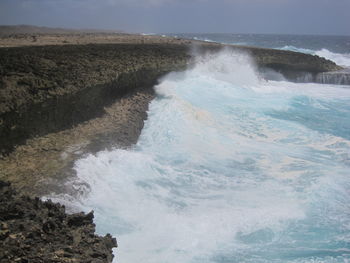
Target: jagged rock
{"x":80,"y":219}
{"x":35,"y":231}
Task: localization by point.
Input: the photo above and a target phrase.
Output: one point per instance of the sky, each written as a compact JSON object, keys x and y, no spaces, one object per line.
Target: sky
{"x":325,"y":17}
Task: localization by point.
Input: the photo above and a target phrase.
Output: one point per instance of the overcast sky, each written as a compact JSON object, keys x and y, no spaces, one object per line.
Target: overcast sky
{"x":194,"y":16}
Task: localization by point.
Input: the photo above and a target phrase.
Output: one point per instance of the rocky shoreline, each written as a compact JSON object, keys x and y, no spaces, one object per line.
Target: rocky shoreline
{"x":35,"y":231}
{"x":61,"y":100}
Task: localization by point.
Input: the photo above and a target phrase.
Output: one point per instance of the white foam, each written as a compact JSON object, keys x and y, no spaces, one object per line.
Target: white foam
{"x":297,"y":49}
{"x":339,"y":59}
{"x":212,"y":168}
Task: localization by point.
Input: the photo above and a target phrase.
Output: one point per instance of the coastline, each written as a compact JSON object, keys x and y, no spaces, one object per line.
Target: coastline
{"x":58,"y":102}
{"x":64,"y":100}
{"x":39,"y":166}
{"x":102,"y":92}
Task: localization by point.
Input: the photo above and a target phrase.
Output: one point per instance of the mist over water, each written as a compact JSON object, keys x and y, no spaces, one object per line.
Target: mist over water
{"x":229,"y":168}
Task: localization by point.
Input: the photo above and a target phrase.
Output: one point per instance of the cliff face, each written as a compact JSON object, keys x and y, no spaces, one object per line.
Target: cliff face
{"x":297,"y":67}
{"x":284,"y":61}
{"x":47,"y":89}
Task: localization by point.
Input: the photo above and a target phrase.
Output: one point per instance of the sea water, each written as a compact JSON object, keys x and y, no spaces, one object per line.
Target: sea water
{"x":335,"y":48}
{"x":228,"y":168}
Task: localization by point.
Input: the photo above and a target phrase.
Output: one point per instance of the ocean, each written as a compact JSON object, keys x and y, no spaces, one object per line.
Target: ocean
{"x":335,"y":48}
{"x":231,"y":167}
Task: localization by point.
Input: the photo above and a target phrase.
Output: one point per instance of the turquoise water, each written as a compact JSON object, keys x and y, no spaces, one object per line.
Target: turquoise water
{"x":229,"y":168}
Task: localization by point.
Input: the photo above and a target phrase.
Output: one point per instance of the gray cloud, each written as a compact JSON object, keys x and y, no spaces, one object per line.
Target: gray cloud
{"x":236,"y":16}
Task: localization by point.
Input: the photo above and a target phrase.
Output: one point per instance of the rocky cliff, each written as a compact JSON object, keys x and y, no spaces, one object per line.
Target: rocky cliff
{"x":46,"y":89}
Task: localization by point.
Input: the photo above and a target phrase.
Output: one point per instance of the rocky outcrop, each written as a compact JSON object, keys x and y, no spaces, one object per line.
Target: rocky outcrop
{"x":47,"y":89}
{"x":293,"y":66}
{"x":35,"y":231}
{"x":289,"y":61}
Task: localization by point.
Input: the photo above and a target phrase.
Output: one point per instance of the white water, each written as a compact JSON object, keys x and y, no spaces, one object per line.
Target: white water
{"x":339,"y":59}
{"x":228,"y":168}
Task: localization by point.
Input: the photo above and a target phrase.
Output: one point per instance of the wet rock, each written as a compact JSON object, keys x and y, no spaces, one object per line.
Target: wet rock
{"x":35,"y":231}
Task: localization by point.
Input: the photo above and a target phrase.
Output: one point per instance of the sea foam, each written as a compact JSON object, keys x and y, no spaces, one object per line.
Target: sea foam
{"x":228,"y":168}
{"x":339,"y":59}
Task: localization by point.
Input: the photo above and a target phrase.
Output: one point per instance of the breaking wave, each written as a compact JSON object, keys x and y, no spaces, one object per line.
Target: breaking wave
{"x":228,"y":168}
{"x":340,"y":59}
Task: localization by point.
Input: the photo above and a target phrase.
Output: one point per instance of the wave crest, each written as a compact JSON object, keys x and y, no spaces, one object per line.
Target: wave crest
{"x":338,"y":58}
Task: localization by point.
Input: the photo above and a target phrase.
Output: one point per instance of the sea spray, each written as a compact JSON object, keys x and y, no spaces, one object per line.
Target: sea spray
{"x":334,"y":48}
{"x":229,"y":168}
{"x":340,"y":59}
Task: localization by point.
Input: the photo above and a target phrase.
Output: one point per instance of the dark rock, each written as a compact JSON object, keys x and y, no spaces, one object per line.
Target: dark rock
{"x":4,"y":184}
{"x":47,"y":237}
{"x":80,"y":219}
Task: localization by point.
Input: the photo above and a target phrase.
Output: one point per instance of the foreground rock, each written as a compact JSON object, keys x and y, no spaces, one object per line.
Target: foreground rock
{"x":35,"y":231}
